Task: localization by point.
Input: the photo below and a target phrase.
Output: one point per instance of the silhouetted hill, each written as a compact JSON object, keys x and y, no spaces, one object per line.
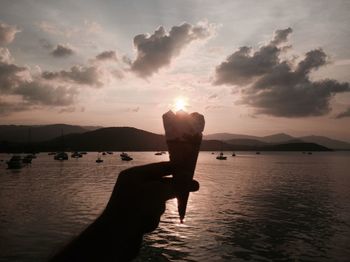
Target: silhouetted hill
{"x":280,"y":138}
{"x":295,"y":147}
{"x":327,"y":142}
{"x":20,"y":133}
{"x":111,"y":138}
{"x":228,"y":136}
{"x":133,"y":139}
{"x":246,"y":142}
{"x":276,"y":138}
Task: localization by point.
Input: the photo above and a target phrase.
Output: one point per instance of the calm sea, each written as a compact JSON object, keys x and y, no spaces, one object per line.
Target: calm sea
{"x":274,"y":206}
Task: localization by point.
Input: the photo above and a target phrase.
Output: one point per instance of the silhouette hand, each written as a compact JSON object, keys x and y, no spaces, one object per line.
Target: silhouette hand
{"x":135,"y":207}
{"x":138,"y":200}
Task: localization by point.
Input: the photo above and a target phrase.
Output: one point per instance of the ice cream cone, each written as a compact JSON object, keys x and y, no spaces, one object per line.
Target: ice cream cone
{"x":183,"y":157}
{"x":183,"y":135}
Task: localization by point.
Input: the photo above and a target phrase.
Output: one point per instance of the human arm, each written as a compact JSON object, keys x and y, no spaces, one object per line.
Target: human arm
{"x":135,"y":207}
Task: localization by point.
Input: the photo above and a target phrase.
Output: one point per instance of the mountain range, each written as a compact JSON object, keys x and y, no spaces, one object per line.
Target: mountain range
{"x":65,"y":137}
{"x":278,"y":138}
{"x":39,"y":133}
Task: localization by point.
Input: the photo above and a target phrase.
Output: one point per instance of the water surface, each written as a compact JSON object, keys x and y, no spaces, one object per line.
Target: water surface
{"x":273,"y":206}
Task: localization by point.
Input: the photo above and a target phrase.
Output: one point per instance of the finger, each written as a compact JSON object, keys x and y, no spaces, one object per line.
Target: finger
{"x":192,"y":186}
{"x":148,"y":172}
{"x":166,"y":189}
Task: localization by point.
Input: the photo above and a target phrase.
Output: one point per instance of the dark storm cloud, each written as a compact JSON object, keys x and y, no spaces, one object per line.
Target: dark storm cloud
{"x":346,"y":113}
{"x":107,"y":55}
{"x":7,"y":33}
{"x":157,"y":50}
{"x":62,"y":51}
{"x":274,"y":86}
{"x":82,"y":75}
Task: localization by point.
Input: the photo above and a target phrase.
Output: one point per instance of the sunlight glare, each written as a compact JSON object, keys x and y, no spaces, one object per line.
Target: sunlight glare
{"x":180,"y":104}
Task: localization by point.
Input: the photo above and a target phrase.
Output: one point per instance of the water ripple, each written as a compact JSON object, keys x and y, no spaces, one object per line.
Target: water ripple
{"x":274,"y":206}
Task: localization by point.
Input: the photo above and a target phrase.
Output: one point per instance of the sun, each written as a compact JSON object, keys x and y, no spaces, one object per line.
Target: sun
{"x":180,"y":104}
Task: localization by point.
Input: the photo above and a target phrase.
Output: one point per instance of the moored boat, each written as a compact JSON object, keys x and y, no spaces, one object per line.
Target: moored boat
{"x":76,"y":155}
{"x":221,"y":156}
{"x":61,"y":156}
{"x":27,"y":159}
{"x":125,"y":157}
{"x":15,"y":162}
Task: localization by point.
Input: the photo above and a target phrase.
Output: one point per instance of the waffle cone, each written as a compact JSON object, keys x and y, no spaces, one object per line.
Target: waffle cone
{"x":183,"y":157}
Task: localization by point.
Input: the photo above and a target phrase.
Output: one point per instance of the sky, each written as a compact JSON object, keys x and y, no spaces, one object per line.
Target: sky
{"x":250,"y":67}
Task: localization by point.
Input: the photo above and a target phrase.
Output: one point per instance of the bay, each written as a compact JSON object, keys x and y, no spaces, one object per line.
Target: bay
{"x":281,"y":206}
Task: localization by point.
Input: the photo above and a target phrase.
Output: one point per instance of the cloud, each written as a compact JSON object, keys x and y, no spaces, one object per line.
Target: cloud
{"x":134,"y":110}
{"x":71,"y":109}
{"x":49,"y":88}
{"x":5,"y":56}
{"x":243,"y":66}
{"x":277,"y":87}
{"x":11,"y":75}
{"x":107,"y":55}
{"x":62,"y":29}
{"x":82,"y":75}
{"x":281,"y":36}
{"x":7,"y":33}
{"x":7,"y":108}
{"x":346,"y":113}
{"x":214,"y":107}
{"x":92,"y":27}
{"x":43,"y":93}
{"x":213,"y":96}
{"x":62,"y":51}
{"x":28,"y":90}
{"x":157,"y":50}
{"x":44,"y":43}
